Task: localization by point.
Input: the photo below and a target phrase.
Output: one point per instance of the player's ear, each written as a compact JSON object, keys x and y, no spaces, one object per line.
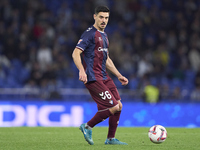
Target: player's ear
{"x":94,"y":16}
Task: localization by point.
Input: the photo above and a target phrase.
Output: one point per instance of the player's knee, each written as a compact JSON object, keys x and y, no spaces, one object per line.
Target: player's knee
{"x":120,"y":105}
{"x":114,"y":109}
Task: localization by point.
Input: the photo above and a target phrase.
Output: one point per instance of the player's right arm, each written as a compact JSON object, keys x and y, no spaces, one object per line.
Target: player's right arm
{"x":76,"y":55}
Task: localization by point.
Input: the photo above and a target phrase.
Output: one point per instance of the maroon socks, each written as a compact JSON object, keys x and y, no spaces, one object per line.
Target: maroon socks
{"x":113,"y":123}
{"x":99,"y":117}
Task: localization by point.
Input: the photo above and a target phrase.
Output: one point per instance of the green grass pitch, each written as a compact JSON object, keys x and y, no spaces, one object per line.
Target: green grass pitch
{"x":71,"y":138}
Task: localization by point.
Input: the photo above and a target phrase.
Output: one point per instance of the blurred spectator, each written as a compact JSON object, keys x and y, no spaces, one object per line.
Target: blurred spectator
{"x":175,"y":93}
{"x":151,"y":93}
{"x":36,"y":73}
{"x":195,"y":95}
{"x":144,"y":67}
{"x":44,"y":56}
{"x":5,"y":65}
{"x":31,"y":89}
{"x":197,"y":78}
{"x":194,"y":57}
{"x":4,"y":61}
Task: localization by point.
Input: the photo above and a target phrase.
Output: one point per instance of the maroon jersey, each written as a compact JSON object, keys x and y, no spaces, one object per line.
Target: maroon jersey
{"x":94,"y":44}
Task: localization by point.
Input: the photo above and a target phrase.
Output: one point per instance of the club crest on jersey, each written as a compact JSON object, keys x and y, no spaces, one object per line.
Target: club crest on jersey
{"x":100,"y":39}
{"x":80,"y":41}
{"x":111,"y":102}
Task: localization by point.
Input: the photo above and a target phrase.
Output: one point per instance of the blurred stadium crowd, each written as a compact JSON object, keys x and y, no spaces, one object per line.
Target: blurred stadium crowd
{"x":153,"y":42}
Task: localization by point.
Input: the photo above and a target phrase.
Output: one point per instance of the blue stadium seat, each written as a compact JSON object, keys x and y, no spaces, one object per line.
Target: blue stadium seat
{"x":154,"y":81}
{"x":2,"y":82}
{"x":11,"y":82}
{"x":134,"y":83}
{"x":23,"y":75}
{"x":190,"y":74}
{"x":118,"y":83}
{"x":69,"y":83}
{"x":16,"y":63}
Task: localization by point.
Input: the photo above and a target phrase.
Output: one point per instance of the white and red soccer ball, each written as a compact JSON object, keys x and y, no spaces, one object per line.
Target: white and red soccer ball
{"x":157,"y":134}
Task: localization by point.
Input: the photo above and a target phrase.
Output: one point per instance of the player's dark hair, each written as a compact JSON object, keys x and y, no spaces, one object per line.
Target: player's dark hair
{"x":101,"y":9}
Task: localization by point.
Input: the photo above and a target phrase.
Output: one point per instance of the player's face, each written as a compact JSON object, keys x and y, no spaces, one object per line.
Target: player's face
{"x":101,"y":20}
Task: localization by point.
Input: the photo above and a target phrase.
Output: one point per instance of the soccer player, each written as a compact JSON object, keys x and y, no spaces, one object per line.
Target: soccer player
{"x":93,"y":45}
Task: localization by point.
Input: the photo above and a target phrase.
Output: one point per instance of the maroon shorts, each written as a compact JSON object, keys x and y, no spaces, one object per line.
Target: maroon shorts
{"x":104,"y":93}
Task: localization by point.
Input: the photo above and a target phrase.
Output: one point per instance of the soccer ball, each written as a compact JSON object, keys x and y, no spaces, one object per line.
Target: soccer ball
{"x":157,"y":134}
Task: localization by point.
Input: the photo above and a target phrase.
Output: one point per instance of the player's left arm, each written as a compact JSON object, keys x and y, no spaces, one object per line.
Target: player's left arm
{"x":111,"y":67}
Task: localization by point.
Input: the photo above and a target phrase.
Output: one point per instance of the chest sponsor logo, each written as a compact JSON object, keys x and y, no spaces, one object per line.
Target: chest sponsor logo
{"x":102,"y":49}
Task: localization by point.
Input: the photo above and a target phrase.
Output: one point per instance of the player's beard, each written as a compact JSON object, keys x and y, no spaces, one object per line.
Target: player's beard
{"x":102,"y":28}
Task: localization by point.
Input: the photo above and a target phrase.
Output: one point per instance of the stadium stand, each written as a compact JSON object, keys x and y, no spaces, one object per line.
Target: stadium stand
{"x":157,"y":40}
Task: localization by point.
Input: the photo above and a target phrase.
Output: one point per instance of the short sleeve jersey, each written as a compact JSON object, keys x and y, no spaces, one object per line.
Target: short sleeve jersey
{"x":94,"y":45}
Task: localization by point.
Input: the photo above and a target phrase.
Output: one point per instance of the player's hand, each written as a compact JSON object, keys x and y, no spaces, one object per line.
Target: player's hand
{"x":123,"y":80}
{"x":83,"y":76}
